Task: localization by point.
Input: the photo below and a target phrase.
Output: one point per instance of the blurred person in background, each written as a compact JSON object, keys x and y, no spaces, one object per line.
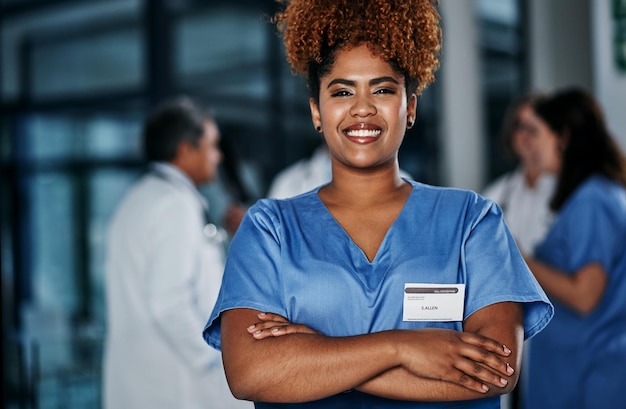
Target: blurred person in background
{"x":524,"y":193}
{"x":163,"y":272}
{"x":579,"y":360}
{"x":302,"y":176}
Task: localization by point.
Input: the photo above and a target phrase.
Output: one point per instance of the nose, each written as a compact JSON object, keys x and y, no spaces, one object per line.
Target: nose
{"x":363,"y":106}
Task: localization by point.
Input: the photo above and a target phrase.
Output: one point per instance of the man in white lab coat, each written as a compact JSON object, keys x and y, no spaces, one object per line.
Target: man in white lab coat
{"x":163,"y":273}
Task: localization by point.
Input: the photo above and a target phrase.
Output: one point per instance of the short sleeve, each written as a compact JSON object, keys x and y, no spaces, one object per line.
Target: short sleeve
{"x":251,"y":276}
{"x":497,"y":272}
{"x":590,"y":232}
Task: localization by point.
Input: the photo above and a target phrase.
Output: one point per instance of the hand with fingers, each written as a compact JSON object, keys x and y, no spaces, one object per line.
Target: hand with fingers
{"x":274,"y":325}
{"x":467,"y":359}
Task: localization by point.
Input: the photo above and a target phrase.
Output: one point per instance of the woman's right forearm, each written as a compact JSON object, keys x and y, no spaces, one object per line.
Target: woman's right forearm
{"x":299,"y":367}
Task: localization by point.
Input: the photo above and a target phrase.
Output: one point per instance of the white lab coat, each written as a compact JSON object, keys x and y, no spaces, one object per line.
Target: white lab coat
{"x":162,"y":279}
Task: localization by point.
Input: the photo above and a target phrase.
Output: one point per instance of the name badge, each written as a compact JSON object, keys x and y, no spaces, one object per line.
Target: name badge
{"x":433,"y":302}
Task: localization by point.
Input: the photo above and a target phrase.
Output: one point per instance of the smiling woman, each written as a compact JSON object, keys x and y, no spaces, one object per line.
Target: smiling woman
{"x":286,"y":329}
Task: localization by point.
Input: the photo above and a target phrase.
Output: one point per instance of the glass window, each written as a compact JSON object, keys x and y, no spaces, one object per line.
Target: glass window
{"x":50,"y":137}
{"x":112,"y":137}
{"x":41,"y":21}
{"x":53,"y":243}
{"x":95,"y":63}
{"x":223,"y":49}
{"x":503,"y":74}
{"x":58,"y":136}
{"x":7,"y":261}
{"x":504,"y":11}
{"x":5,"y":144}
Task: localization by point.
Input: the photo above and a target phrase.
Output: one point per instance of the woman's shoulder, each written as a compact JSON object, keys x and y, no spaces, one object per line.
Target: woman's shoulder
{"x":449,"y":194}
{"x":452,"y":203}
{"x":598,"y":188}
{"x":596,"y":197}
{"x":288,"y":205}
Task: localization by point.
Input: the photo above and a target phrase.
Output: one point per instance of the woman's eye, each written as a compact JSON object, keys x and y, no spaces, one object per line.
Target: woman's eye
{"x":341,"y":93}
{"x":385,"y":91}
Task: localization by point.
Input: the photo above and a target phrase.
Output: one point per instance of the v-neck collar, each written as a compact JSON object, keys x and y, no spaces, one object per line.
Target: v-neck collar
{"x":355,"y":249}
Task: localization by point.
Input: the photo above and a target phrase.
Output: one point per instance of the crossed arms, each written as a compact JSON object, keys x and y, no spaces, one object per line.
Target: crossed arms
{"x":267,"y":358}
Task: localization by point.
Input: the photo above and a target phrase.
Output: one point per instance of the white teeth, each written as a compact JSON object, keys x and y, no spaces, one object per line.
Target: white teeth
{"x":363,"y":133}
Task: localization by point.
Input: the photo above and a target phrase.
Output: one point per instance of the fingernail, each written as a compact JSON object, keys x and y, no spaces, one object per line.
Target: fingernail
{"x":509,"y":369}
{"x":503,"y":381}
{"x":261,"y":314}
{"x":274,"y":330}
{"x":485,"y":388}
{"x":251,"y":327}
{"x":506,"y":349}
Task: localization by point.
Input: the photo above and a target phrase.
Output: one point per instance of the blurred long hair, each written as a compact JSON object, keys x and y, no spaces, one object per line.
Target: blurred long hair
{"x":588,"y":147}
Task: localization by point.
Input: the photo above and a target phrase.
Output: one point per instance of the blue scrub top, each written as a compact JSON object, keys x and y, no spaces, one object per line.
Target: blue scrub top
{"x":292,"y":258}
{"x":580,"y":361}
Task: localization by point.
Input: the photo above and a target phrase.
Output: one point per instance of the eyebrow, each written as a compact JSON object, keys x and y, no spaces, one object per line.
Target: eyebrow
{"x":351,"y":83}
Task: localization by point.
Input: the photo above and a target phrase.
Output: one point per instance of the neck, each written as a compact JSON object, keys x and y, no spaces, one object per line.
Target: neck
{"x":362,"y":188}
{"x":531,"y":176}
{"x":182,"y":167}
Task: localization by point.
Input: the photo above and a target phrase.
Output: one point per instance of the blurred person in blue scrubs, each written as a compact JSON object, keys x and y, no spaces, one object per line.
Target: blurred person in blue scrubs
{"x":579,"y":360}
{"x":163,"y":272}
{"x":372,"y":291}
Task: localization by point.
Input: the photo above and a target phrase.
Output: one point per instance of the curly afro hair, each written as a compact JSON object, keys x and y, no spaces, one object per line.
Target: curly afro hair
{"x":406,"y":33}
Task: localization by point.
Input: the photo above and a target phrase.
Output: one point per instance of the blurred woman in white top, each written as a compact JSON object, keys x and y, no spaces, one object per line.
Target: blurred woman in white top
{"x":524,"y":193}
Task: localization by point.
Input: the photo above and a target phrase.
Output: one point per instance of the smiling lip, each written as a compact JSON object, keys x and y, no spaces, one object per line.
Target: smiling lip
{"x":362,"y":133}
